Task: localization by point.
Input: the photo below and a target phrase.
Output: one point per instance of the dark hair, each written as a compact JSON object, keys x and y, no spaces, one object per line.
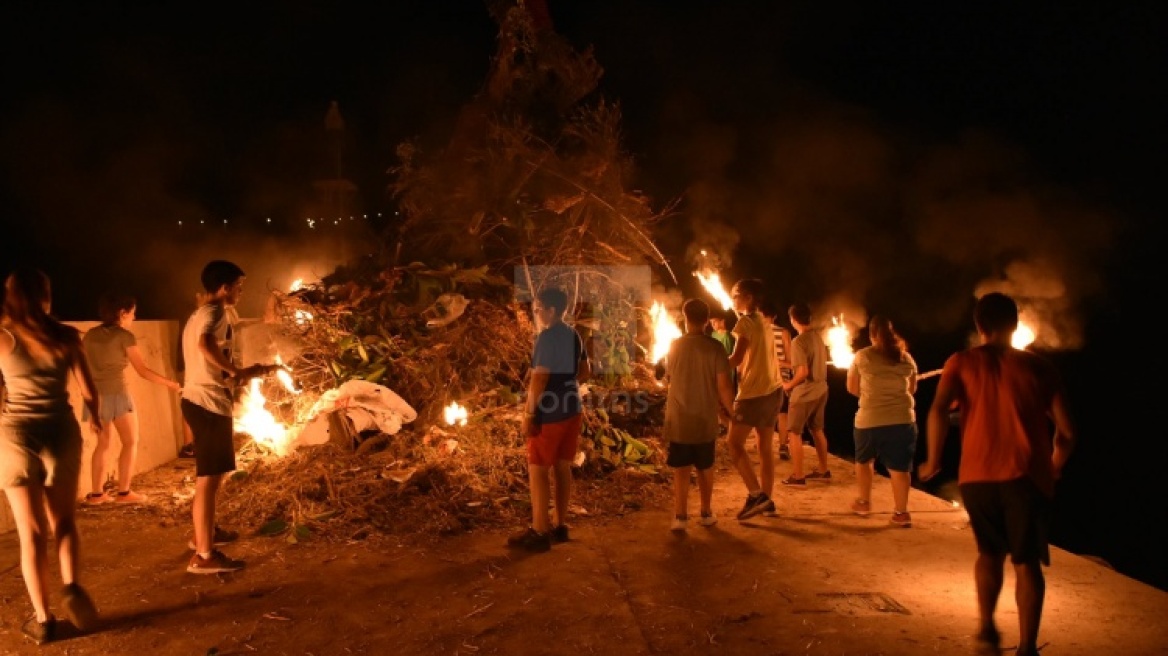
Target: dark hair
{"x":26,"y":291}
{"x":885,"y":338}
{"x":800,"y":312}
{"x":555,"y":298}
{"x":994,"y":313}
{"x":111,"y":305}
{"x":768,"y":309}
{"x":696,"y":311}
{"x":218,"y":273}
{"x":751,"y":287}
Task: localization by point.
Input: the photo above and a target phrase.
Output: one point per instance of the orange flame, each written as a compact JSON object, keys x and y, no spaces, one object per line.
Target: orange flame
{"x":665,"y":330}
{"x":1023,"y":336}
{"x":712,"y":282}
{"x":454,"y":414}
{"x":257,"y":421}
{"x":839,"y":343}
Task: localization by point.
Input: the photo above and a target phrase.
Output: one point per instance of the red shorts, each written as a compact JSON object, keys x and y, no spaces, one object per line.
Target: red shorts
{"x":555,"y":441}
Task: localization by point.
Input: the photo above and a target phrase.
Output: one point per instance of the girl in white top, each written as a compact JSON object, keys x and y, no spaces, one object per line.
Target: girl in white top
{"x":111,"y":348}
{"x":884,"y":376}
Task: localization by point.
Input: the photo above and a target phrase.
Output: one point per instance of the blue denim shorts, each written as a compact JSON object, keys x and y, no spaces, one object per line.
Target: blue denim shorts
{"x":895,"y":445}
{"x":112,"y":407}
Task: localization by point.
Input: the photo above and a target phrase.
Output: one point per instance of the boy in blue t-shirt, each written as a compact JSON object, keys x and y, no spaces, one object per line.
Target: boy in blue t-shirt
{"x":552,"y":419}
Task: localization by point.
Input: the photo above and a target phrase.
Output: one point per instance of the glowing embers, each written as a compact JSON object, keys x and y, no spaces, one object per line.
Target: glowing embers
{"x":454,"y":414}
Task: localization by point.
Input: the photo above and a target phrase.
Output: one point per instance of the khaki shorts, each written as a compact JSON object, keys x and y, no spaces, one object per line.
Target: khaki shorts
{"x":759,"y":411}
{"x":806,"y":414}
{"x":43,"y":453}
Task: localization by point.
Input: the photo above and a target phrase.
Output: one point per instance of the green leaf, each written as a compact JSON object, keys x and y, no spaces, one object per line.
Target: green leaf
{"x":328,"y":514}
{"x":362,"y":353}
{"x":239,"y":475}
{"x":274,"y":527}
{"x":303,"y":532}
{"x":607,"y":441}
{"x":375,"y":374}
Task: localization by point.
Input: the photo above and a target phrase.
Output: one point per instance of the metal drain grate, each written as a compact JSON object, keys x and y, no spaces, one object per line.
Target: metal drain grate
{"x":852,"y":603}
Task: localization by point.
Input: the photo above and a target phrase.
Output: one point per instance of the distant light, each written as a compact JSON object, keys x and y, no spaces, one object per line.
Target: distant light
{"x":201,"y":222}
{"x":269,"y":219}
{"x":224,"y":221}
{"x":180,"y":222}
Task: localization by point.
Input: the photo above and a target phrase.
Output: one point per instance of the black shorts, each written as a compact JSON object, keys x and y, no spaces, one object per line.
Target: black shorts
{"x":700,"y":456}
{"x":1009,"y":517}
{"x":214,"y":445}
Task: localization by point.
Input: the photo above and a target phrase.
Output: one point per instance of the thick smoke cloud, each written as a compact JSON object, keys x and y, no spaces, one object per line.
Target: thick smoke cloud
{"x":856,"y":218}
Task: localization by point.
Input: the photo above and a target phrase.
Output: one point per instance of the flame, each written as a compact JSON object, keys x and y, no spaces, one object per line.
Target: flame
{"x":713,"y":284}
{"x":665,"y":330}
{"x":284,"y":375}
{"x":255,"y":420}
{"x":454,"y":414}
{"x":1023,"y":336}
{"x":296,"y":284}
{"x":301,"y":317}
{"x":839,"y":342}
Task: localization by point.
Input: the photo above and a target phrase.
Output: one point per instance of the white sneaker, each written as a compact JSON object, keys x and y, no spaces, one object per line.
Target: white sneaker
{"x":679,"y":524}
{"x":708,"y":520}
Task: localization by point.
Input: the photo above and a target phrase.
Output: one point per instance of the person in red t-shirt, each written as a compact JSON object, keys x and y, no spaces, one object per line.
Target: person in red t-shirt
{"x":1009,"y":400}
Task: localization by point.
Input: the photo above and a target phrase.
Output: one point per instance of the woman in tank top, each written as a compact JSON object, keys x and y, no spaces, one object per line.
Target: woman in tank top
{"x":40,"y":444}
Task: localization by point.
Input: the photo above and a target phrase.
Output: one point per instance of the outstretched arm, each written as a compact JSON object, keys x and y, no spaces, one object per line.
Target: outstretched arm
{"x":937,"y":429}
{"x":139,"y":364}
{"x":1064,"y":434}
{"x":741,"y":343}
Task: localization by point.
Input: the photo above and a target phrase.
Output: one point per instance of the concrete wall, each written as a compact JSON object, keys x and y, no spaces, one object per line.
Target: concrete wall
{"x":159,"y":417}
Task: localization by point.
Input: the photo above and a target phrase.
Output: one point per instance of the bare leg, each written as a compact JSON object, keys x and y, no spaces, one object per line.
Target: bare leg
{"x":537,"y":477}
{"x":795,"y":446}
{"x":61,"y":498}
{"x":28,"y":510}
{"x":97,"y":463}
{"x":706,"y":489}
{"x":203,"y":511}
{"x":988,"y":575}
{"x":901,"y":482}
{"x":563,"y":473}
{"x":819,"y":438}
{"x":127,"y":426}
{"x":737,"y":443}
{"x":864,"y":472}
{"x":766,"y":460}
{"x":1029,"y":594}
{"x":681,"y":491}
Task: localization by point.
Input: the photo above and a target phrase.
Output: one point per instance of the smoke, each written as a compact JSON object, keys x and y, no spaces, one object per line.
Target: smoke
{"x":854,"y":218}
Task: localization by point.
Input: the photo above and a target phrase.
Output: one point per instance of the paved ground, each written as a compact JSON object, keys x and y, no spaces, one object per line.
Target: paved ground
{"x":815,"y":580}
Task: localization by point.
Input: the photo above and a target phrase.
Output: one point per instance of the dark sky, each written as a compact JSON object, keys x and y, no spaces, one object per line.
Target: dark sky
{"x":894,"y":157}
{"x":853,"y":155}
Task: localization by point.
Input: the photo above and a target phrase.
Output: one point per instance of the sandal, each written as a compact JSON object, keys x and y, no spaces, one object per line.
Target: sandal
{"x":797,"y":482}
{"x":96,"y":498}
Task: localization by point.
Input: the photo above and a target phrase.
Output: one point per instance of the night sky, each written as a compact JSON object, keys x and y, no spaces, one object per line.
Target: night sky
{"x":863,"y":157}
